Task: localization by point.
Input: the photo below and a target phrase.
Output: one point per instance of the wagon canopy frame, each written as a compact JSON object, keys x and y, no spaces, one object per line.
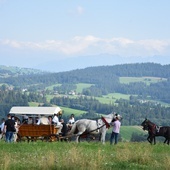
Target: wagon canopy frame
{"x":22,"y":110}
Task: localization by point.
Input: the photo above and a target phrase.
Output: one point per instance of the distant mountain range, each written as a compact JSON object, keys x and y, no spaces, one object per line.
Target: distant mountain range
{"x":68,"y":64}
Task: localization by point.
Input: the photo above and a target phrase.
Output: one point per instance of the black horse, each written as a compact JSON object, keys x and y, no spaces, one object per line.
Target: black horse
{"x":154,"y":130}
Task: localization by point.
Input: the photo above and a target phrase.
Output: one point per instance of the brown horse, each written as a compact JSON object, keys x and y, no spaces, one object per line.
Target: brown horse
{"x":155,"y":130}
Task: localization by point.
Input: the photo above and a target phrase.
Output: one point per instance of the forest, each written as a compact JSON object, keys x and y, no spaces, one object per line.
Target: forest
{"x":104,"y":80}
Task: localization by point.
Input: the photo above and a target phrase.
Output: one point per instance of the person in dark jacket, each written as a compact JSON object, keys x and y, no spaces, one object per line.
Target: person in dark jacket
{"x":9,"y":128}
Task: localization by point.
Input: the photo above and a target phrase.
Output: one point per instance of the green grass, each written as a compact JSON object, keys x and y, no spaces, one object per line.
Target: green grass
{"x":33,"y":104}
{"x":84,"y":156}
{"x":127,"y":131}
{"x":69,"y":111}
{"x":147,"y":80}
{"x":81,"y":86}
{"x":51,"y":87}
{"x":112,"y":97}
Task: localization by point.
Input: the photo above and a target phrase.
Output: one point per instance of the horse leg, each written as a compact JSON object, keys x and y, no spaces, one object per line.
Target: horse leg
{"x":149,"y":139}
{"x":154,"y":140}
{"x":103,"y":135}
{"x":78,"y":136}
{"x":100,"y":136}
{"x":165,"y":140}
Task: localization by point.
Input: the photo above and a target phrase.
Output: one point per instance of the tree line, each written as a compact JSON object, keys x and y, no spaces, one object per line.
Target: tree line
{"x":105,"y":80}
{"x":10,"y":98}
{"x":133,"y":112}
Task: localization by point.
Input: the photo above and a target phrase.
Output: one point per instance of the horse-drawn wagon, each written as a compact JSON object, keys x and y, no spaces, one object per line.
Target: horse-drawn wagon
{"x":44,"y":131}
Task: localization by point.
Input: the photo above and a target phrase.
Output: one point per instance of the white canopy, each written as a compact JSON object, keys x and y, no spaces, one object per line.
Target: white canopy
{"x":22,"y":110}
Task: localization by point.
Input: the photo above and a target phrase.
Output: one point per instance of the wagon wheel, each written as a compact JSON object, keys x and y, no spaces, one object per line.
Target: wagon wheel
{"x":44,"y":137}
{"x":52,"y":138}
{"x":88,"y":138}
{"x":19,"y":138}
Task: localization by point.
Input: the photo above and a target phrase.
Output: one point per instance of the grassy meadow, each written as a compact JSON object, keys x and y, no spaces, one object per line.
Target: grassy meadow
{"x":112,"y":97}
{"x":84,"y":156}
{"x":127,"y":131}
{"x":146,"y":80}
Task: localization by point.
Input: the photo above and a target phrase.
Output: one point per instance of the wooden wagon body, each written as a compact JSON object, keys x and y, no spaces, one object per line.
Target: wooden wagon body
{"x":35,"y":132}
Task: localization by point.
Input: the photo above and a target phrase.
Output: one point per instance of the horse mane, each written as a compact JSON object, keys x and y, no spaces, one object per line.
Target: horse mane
{"x":151,"y":122}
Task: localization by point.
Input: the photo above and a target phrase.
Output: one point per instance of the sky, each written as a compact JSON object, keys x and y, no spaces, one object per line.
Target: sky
{"x":61,"y":35}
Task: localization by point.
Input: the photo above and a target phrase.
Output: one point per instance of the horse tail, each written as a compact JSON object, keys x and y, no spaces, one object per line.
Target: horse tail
{"x":73,"y":129}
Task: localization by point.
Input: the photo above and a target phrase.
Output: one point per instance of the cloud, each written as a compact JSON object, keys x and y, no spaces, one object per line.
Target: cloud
{"x":79,"y":45}
{"x":156,"y":45}
{"x":80,"y":10}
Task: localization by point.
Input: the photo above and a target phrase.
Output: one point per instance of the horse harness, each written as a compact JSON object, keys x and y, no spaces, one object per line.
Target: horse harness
{"x":154,"y":128}
{"x":98,"y":127}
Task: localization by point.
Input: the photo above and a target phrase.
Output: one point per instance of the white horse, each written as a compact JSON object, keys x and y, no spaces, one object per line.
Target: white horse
{"x":87,"y":126}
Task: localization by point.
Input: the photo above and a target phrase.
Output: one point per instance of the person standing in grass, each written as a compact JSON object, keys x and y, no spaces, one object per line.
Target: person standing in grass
{"x":116,"y":129}
{"x":9,"y":128}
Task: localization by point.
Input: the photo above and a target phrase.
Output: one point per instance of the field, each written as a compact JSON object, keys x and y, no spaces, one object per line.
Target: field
{"x":84,"y":156}
{"x":147,"y":80}
{"x":112,"y":97}
{"x":69,"y":111}
{"x":80,"y":86}
{"x":127,"y":131}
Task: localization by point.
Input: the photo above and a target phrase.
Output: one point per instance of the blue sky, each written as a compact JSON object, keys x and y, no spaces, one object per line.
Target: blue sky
{"x":60,"y":35}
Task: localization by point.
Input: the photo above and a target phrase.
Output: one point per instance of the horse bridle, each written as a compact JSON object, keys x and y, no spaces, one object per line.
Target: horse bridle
{"x":148,"y":124}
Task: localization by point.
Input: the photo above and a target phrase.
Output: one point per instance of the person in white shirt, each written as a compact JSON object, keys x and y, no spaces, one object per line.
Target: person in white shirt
{"x":17,"y":129}
{"x":56,"y":119}
{"x":116,"y":129}
{"x":2,"y":124}
{"x":71,"y":120}
{"x":58,"y":124}
{"x":42,"y":121}
{"x":2,"y":128}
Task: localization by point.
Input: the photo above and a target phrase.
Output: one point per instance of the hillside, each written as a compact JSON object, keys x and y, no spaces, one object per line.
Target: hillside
{"x":105,"y":80}
{"x":127,"y":132}
{"x":10,"y":71}
{"x":135,"y":91}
